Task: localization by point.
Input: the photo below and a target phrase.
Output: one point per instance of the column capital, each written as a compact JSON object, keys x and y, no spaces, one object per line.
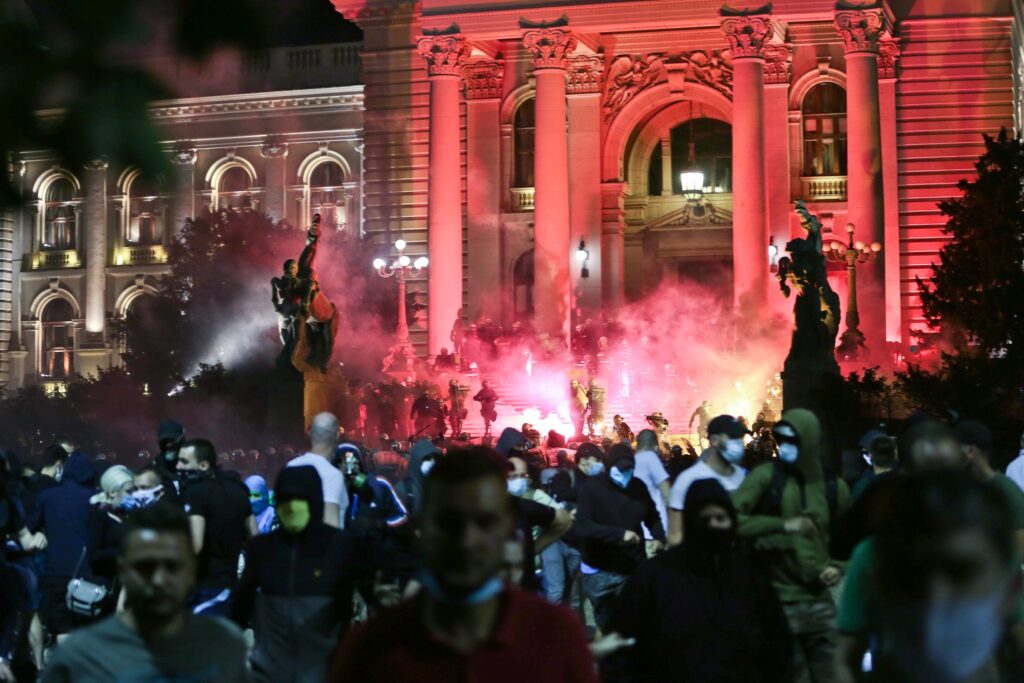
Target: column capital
{"x":888,"y":57}
{"x":184,"y":154}
{"x":445,"y":55}
{"x":483,"y":80}
{"x":273,"y":147}
{"x":747,"y":30}
{"x":861,"y":28}
{"x":97,"y":164}
{"x":778,"y":58}
{"x":550,"y":47}
{"x":585,"y":72}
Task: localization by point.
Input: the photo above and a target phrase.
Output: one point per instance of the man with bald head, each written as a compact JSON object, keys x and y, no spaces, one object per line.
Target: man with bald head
{"x":323,"y":436}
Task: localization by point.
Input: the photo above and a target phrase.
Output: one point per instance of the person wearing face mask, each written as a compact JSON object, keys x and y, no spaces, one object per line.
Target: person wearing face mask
{"x":297,"y":587}
{"x":784,"y":511}
{"x":422,"y":457}
{"x":540,"y":520}
{"x":720,"y":462}
{"x":703,"y":610}
{"x":259,"y":501}
{"x":105,"y":524}
{"x":942,"y":591}
{"x":1015,"y":470}
{"x":611,"y":512}
{"x":170,"y":436}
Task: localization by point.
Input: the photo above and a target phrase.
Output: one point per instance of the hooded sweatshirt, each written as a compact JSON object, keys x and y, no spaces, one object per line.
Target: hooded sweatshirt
{"x":794,"y":561}
{"x":702,"y":611}
{"x":262,"y":510}
{"x":61,"y":514}
{"x":411,"y":488}
{"x":296,"y":589}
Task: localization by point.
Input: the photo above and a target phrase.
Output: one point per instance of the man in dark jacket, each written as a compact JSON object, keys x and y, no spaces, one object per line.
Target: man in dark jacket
{"x":611,"y":509}
{"x":422,"y":458}
{"x":702,"y":611}
{"x":60,"y":513}
{"x":296,"y":589}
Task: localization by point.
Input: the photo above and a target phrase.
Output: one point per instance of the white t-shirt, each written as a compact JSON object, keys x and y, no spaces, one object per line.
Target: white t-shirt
{"x":1015,"y":470}
{"x":649,"y":469}
{"x":330,"y":476}
{"x":677,"y":498}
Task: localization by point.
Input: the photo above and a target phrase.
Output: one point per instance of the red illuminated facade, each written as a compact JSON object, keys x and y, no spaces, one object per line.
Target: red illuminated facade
{"x":500,"y":134}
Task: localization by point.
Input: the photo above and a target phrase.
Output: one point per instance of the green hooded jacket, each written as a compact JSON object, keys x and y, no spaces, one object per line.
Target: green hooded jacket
{"x":794,"y":561}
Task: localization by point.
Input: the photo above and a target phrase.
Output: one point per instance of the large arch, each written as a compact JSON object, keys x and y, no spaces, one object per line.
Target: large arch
{"x":48,"y":295}
{"x":801,"y":86}
{"x":309,"y":164}
{"x":130,"y":294}
{"x":648,"y":103}
{"x":218,"y":168}
{"x":44,"y":181}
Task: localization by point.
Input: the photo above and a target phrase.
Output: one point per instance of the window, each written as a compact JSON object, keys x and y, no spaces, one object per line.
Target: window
{"x":234,"y":189}
{"x":327,"y":196}
{"x":522,"y":286}
{"x":712,"y":150}
{"x":523,"y":129}
{"x":824,"y":130}
{"x":59,"y":223}
{"x":145,"y":213}
{"x":58,"y":341}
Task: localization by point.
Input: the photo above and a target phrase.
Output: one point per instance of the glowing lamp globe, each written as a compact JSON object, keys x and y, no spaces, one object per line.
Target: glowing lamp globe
{"x":399,"y":245}
{"x":379,"y":263}
{"x":692,"y":182}
{"x":404,"y":260}
{"x":772,"y":251}
{"x":581,"y":255}
{"x":876,"y":247}
{"x":858,"y":245}
{"x":421,"y":262}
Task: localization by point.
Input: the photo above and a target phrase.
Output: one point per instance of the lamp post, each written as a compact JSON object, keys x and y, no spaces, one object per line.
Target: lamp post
{"x":852,"y":254}
{"x":401,"y":268}
{"x":583,"y":256}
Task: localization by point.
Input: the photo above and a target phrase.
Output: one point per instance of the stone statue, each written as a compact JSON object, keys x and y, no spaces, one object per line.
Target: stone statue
{"x":310,"y":332}
{"x":817,"y":305}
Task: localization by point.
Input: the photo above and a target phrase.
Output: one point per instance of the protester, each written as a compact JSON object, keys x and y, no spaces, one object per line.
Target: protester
{"x":148,"y":486}
{"x":221,"y":521}
{"x":561,"y":560}
{"x":651,"y":471}
{"x":976,"y":445}
{"x":105,"y":524}
{"x":60,"y":513}
{"x":884,"y":460}
{"x":934,"y":591}
{"x":466,"y":624}
{"x":783,"y":509}
{"x":155,"y":638}
{"x":170,"y":434}
{"x":51,"y":469}
{"x":540,"y":520}
{"x":720,"y":462}
{"x":259,"y":501}
{"x":703,"y":610}
{"x":297,"y":586}
{"x":323,"y":435}
{"x":611,"y":510}
{"x":1015,"y":470}
{"x":422,"y":458}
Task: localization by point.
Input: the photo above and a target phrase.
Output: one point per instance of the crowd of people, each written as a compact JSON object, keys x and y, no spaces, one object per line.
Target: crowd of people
{"x":621,"y":560}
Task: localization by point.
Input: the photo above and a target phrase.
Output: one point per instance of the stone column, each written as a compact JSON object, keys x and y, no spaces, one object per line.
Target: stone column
{"x":860,"y":30}
{"x":445,"y":56}
{"x":584,"y":114}
{"x":746,"y":34}
{"x":888,"y":56}
{"x":613,"y":234}
{"x":276,"y":152}
{"x":15,"y":169}
{"x":778,"y":57}
{"x":95,"y":234}
{"x":183,"y":207}
{"x":552,"y":294}
{"x":484,"y":188}
{"x":666,"y":166}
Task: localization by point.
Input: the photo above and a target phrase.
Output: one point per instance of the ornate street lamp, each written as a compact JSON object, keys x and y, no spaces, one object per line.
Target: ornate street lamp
{"x":852,"y":254}
{"x":583,"y":256}
{"x":692,"y":178}
{"x":401,"y":268}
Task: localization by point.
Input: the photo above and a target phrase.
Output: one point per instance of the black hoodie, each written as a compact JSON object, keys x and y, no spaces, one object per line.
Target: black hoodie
{"x":701,"y":611}
{"x":296,"y":589}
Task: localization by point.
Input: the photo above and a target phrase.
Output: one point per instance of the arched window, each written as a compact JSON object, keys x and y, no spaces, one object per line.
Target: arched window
{"x":58,"y":341}
{"x":327,"y":196}
{"x":59,"y":224}
{"x":145,"y":213}
{"x":522,"y":286}
{"x":233,"y":190}
{"x":523,"y":126}
{"x":712,"y":151}
{"x":824,"y":130}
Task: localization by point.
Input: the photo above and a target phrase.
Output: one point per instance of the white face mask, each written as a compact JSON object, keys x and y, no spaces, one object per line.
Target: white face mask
{"x":733,"y":451}
{"x":517,"y":487}
{"x":788,"y":453}
{"x":426,"y":466}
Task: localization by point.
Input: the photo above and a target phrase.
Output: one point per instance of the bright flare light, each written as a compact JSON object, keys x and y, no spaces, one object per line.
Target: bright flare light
{"x":403,"y":260}
{"x":421,"y":262}
{"x":379,"y":263}
{"x":399,"y":245}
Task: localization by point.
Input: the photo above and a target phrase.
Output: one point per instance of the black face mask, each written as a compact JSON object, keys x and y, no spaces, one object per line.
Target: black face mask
{"x":192,"y":476}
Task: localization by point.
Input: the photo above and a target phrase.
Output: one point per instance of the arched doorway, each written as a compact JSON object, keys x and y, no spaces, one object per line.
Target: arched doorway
{"x":522,"y":286}
{"x":58,"y":339}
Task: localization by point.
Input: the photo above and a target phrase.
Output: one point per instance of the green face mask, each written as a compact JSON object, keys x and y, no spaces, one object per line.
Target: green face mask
{"x":294,"y":515}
